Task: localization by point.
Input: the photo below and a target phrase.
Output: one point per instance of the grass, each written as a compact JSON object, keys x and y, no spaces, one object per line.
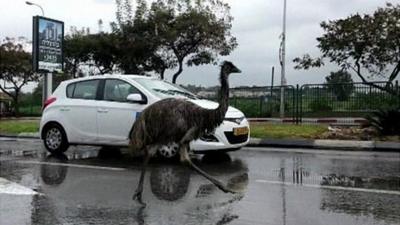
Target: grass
{"x":258,"y":130}
{"x":282,"y":131}
{"x":18,"y":126}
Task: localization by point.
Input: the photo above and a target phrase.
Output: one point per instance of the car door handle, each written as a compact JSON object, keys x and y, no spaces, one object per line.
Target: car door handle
{"x":102,"y":110}
{"x":64,"y":109}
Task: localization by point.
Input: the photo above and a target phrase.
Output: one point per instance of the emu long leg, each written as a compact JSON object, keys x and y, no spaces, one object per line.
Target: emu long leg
{"x":185,"y":158}
{"x":184,"y":147}
{"x":138,"y":193}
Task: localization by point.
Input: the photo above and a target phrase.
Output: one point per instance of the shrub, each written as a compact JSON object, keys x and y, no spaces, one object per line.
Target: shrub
{"x":387,"y":122}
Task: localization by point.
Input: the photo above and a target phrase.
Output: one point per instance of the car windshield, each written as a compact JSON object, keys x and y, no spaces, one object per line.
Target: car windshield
{"x":164,"y":89}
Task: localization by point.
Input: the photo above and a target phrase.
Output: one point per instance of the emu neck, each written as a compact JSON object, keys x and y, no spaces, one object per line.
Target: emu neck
{"x":219,"y":113}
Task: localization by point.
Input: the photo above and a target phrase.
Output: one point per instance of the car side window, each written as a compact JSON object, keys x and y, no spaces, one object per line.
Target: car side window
{"x":85,"y":89}
{"x":117,"y":90}
{"x":70,"y":90}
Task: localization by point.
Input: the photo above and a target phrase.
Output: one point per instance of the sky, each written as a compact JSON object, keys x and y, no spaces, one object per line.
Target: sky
{"x":257,"y":26}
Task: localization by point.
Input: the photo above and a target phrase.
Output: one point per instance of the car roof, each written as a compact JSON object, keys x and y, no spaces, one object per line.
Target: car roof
{"x":109,"y":76}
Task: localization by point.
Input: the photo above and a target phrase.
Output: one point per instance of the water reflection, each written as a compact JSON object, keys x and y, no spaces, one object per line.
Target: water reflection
{"x":102,"y":196}
{"x":346,"y":198}
{"x":381,"y":206}
{"x":296,"y":172}
{"x":194,"y":199}
{"x":170,"y":182}
{"x":385,"y":183}
{"x":54,"y":171}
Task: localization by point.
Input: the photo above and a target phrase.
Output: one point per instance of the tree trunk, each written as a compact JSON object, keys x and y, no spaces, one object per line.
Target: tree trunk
{"x":178,"y":72}
{"x":162,"y":72}
{"x":16,"y":103}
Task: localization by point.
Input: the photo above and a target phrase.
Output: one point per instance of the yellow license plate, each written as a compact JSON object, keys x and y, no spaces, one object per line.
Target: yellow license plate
{"x":240,"y":131}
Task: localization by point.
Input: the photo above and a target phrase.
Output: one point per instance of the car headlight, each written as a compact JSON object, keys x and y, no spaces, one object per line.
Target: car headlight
{"x":235,"y":120}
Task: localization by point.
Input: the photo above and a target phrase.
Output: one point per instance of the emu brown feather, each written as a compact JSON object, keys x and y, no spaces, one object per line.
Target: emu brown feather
{"x":180,"y":121}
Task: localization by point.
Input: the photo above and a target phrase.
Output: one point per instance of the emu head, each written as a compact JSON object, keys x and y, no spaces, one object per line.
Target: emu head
{"x":228,"y":68}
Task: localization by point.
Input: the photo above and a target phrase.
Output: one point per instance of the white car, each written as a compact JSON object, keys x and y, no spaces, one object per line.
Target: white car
{"x":100,"y":110}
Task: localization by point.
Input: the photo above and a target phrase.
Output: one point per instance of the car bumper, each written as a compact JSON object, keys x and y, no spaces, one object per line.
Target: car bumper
{"x":225,"y":139}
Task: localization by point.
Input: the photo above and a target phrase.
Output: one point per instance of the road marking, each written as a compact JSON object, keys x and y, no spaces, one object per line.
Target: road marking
{"x":8,"y":187}
{"x":378,"y":191}
{"x":72,"y":165}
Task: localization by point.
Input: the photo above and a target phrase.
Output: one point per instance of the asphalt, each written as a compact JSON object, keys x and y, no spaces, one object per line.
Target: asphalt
{"x":294,"y":143}
{"x":275,"y":186}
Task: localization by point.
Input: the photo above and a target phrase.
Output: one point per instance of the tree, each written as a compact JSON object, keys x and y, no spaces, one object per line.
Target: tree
{"x":178,"y":32}
{"x":368,"y":45}
{"x":15,"y":71}
{"x":103,"y":52}
{"x":76,"y":50}
{"x":99,"y":50}
{"x":341,"y":84}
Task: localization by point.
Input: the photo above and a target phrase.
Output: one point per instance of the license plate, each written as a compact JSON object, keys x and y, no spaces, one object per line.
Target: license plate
{"x":240,"y":131}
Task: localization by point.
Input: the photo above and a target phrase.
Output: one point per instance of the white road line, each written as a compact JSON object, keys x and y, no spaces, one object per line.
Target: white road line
{"x":378,"y":191}
{"x":72,"y":165}
{"x":8,"y":187}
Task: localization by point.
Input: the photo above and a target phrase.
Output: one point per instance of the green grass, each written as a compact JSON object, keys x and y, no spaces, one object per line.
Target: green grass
{"x":258,"y":130}
{"x":18,"y":126}
{"x":282,"y":131}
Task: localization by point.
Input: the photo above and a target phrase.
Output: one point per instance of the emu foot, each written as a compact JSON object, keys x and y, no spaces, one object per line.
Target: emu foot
{"x":226,"y":189}
{"x":138,"y":197}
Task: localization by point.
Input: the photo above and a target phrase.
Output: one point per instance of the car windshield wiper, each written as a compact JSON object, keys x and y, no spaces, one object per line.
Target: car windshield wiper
{"x":174,"y":92}
{"x":183,"y":93}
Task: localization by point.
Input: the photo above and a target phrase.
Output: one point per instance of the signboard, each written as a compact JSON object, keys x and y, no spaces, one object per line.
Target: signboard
{"x":48,"y":38}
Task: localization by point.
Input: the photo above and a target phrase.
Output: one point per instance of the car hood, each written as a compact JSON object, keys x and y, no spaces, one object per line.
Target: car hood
{"x":207,"y":104}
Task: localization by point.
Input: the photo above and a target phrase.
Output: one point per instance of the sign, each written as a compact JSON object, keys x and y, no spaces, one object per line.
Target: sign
{"x":48,"y":38}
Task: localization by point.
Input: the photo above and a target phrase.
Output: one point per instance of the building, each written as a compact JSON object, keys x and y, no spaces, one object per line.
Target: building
{"x":5,"y":104}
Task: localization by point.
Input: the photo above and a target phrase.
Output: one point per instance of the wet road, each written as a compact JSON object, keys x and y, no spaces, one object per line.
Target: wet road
{"x":92,"y":186}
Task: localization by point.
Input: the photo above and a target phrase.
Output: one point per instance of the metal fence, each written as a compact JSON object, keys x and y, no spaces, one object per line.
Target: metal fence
{"x":309,"y":100}
{"x":316,"y":100}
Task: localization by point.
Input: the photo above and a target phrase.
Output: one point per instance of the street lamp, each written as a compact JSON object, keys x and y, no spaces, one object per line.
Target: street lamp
{"x":31,"y":3}
{"x":282,"y":53}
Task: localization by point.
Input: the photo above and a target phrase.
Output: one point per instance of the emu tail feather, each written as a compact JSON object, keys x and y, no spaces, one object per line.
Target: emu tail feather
{"x":137,"y":136}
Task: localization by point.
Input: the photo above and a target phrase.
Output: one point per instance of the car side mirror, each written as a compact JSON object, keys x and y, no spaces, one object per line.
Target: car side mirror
{"x":136,"y":98}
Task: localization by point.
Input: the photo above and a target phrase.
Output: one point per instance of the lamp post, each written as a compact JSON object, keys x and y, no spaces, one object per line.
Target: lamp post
{"x":32,"y":3}
{"x":47,"y":78}
{"x":282,"y":61}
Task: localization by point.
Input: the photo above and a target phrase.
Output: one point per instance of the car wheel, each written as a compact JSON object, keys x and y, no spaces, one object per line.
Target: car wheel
{"x":55,"y":139}
{"x":168,"y":151}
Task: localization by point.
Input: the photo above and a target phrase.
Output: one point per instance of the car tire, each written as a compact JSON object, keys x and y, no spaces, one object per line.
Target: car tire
{"x":55,"y":139}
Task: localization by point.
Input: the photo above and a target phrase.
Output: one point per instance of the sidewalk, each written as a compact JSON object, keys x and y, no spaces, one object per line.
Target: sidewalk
{"x":294,"y":143}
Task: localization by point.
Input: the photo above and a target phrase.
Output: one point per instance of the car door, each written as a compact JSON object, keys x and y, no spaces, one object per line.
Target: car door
{"x":79,"y":111}
{"x":115,"y":115}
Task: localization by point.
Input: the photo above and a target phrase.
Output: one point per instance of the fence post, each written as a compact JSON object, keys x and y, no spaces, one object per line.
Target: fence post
{"x":397,"y":90}
{"x":296,"y":95}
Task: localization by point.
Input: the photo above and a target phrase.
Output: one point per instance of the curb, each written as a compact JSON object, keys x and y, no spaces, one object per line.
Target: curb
{"x":22,"y":135}
{"x":336,"y":121}
{"x":349,"y":145}
{"x":327,"y":144}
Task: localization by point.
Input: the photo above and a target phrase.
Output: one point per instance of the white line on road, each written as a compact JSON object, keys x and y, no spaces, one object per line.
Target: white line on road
{"x":8,"y":187}
{"x":72,"y":165}
{"x":378,"y":191}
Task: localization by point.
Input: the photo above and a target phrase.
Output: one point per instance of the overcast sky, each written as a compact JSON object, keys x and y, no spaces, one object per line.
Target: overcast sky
{"x":257,"y":25}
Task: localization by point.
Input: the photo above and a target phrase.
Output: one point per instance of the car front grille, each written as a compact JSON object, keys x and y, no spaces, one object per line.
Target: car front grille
{"x":235,"y":139}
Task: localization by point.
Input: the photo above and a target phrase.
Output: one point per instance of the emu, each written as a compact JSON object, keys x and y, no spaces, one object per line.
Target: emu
{"x":179,"y":121}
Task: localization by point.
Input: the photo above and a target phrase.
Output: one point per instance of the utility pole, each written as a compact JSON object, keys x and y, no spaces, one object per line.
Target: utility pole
{"x":272,"y":80}
{"x":282,"y":62}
